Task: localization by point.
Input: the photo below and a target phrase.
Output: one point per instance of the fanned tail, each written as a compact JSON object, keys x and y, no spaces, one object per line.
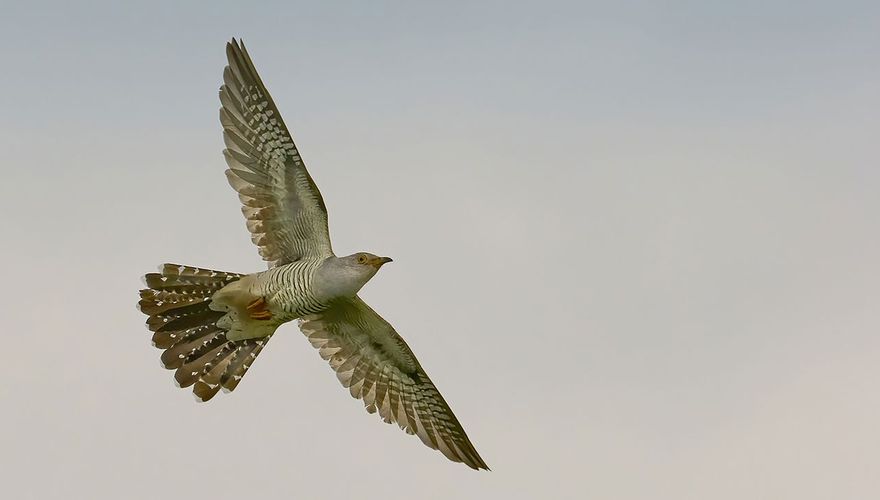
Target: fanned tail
{"x":177,"y":302}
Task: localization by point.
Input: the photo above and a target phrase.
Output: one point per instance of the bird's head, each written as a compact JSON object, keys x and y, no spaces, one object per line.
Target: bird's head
{"x":345,"y":276}
{"x":366,"y":261}
{"x":365,"y":264}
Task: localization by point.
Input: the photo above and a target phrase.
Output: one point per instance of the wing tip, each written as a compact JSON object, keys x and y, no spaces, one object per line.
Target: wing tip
{"x":235,"y":47}
{"x":472,"y":459}
{"x":232,"y":47}
{"x":481,"y":465}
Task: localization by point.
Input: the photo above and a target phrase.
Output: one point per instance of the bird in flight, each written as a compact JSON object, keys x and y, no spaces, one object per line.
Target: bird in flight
{"x":213,"y":324}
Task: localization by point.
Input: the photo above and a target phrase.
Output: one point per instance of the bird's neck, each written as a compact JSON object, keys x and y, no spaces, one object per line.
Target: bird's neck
{"x":333,"y":280}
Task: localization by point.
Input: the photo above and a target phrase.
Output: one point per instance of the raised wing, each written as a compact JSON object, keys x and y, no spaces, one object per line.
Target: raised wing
{"x":283,"y":207}
{"x":377,"y":366}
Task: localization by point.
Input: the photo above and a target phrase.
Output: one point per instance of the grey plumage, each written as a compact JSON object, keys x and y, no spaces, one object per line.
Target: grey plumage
{"x":212,"y":325}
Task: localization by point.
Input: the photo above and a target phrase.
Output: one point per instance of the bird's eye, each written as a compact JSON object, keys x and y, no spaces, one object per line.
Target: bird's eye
{"x":362,"y":259}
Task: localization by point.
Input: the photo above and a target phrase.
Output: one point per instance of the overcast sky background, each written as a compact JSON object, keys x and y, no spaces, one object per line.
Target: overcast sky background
{"x":636,"y":246}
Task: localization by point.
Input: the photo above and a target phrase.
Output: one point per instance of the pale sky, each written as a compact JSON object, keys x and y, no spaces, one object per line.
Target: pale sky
{"x":636,"y":246}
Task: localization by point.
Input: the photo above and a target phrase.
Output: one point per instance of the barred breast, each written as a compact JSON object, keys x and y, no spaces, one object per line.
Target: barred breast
{"x":288,"y":290}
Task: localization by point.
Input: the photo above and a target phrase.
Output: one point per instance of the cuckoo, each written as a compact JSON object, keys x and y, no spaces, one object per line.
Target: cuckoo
{"x":212,"y":325}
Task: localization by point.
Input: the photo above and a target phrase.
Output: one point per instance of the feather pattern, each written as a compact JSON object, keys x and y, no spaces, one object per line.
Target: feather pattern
{"x":194,"y":313}
{"x":184,"y":326}
{"x":377,"y":366}
{"x":284,"y":210}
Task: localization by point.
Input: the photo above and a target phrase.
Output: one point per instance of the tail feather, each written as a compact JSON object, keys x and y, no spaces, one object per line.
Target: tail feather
{"x":157,"y":302}
{"x":191,"y":318}
{"x":241,"y":361}
{"x":230,"y":369}
{"x":177,"y":303}
{"x":179,"y":344}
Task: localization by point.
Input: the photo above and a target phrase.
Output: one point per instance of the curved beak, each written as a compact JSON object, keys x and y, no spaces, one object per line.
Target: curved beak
{"x":380,"y":261}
